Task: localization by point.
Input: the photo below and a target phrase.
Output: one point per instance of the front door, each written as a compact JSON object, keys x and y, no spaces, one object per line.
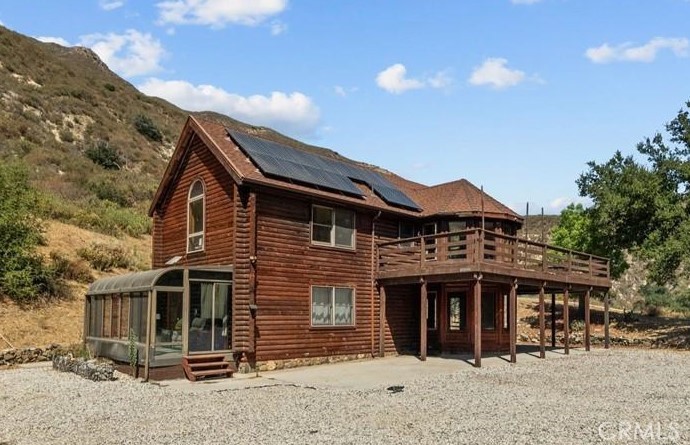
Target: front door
{"x":168,"y":323}
{"x":209,"y":316}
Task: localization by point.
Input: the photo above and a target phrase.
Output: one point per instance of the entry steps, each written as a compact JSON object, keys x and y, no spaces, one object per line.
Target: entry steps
{"x":207,"y":365}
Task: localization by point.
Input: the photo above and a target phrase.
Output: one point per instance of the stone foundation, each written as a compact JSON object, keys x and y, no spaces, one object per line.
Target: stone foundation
{"x":272,"y":365}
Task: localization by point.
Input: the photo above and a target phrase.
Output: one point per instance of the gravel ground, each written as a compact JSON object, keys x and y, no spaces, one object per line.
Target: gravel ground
{"x":586,"y":398}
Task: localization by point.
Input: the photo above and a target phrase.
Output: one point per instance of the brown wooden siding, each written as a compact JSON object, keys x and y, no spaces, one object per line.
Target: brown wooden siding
{"x":170,"y":220}
{"x":402,"y":319}
{"x":288,"y":265}
{"x":244,"y":215}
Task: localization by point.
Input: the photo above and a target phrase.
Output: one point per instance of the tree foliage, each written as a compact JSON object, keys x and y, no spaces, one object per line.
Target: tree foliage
{"x":23,"y":274}
{"x":643,"y":206}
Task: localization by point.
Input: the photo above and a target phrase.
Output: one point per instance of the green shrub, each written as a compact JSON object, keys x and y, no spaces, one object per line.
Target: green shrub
{"x":103,"y":154}
{"x":109,"y":86}
{"x":108,"y":190}
{"x":145,"y":126}
{"x":577,"y":326}
{"x":69,"y":269}
{"x":106,"y":258}
{"x":66,"y":135}
{"x":23,"y":275}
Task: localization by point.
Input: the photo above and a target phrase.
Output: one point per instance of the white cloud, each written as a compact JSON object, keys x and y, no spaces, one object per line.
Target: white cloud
{"x":293,"y":113}
{"x":278,"y":27}
{"x":130,"y":54}
{"x":344,"y":91}
{"x":109,"y":5}
{"x":394,"y":80}
{"x":556,"y":205}
{"x":524,"y":2}
{"x":218,"y":13}
{"x":494,"y":73}
{"x":626,"y":52}
{"x":49,"y":39}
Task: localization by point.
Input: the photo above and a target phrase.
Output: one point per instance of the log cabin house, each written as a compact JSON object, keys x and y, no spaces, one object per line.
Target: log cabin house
{"x":268,"y":254}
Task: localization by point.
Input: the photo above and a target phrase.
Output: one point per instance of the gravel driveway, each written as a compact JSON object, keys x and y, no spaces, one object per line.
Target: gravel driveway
{"x":618,"y":396}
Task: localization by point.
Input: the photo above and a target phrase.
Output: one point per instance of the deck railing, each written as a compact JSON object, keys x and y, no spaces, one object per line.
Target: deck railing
{"x":475,"y":246}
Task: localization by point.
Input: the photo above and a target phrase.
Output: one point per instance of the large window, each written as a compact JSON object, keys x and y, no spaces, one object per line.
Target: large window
{"x":332,"y":306}
{"x":333,"y":227}
{"x":195,"y":217}
{"x":457,"y":311}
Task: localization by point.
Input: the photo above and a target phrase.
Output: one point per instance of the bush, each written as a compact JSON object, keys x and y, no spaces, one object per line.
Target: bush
{"x":106,"y":258}
{"x":23,"y":275}
{"x":69,"y":269}
{"x":109,"y":86}
{"x":66,"y":135}
{"x":103,"y":154}
{"x":145,"y":126}
{"x":577,"y":326}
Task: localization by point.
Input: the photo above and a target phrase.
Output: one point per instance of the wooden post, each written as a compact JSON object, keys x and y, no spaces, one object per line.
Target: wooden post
{"x":422,"y":321}
{"x":478,"y":321}
{"x":553,"y":319}
{"x":607,"y":339}
{"x":512,"y":320}
{"x":542,"y":324}
{"x":382,"y":321}
{"x":587,"y":327}
{"x":566,"y":321}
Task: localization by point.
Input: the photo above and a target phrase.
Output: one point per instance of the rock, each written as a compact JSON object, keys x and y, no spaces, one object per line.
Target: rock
{"x":91,"y":369}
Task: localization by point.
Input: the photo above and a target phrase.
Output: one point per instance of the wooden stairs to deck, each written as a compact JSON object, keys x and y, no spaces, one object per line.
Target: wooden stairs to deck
{"x":207,"y":365}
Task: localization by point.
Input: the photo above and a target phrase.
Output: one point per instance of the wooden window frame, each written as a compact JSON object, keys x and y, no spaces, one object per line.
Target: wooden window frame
{"x":191,"y":200}
{"x":332,"y":325}
{"x":332,"y":243}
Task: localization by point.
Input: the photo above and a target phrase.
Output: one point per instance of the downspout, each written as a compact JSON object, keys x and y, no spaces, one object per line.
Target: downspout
{"x":373,"y":278}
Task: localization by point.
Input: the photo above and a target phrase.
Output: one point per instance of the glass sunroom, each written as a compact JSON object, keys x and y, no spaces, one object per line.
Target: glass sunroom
{"x":171,"y":312}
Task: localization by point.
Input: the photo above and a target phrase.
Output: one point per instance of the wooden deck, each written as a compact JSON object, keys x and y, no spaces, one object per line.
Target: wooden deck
{"x":455,"y":255}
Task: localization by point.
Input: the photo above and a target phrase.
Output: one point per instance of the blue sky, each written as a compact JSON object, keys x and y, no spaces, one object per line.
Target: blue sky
{"x":515,"y":95}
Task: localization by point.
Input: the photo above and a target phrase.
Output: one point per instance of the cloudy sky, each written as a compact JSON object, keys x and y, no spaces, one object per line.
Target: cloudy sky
{"x":514,"y":95}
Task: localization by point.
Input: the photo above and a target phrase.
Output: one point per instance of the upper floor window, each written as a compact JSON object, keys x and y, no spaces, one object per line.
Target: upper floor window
{"x":333,"y":227}
{"x":195,"y":217}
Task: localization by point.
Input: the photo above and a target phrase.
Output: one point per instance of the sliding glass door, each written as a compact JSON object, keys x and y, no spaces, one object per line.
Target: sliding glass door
{"x":209,"y":316}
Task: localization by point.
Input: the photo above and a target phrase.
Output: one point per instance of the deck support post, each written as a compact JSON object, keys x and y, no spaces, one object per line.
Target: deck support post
{"x":478,"y":321}
{"x":553,"y":319}
{"x":512,"y":320}
{"x":382,"y":321}
{"x":587,"y":326}
{"x":566,"y":321}
{"x":607,"y":338}
{"x":422,"y":321}
{"x":542,"y":323}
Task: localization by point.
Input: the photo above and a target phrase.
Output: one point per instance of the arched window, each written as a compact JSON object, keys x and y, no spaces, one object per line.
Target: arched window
{"x":195,"y":217}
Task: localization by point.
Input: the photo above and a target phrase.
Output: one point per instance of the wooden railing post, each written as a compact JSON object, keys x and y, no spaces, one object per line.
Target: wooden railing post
{"x":422,"y":251}
{"x":481,"y":245}
{"x":591,"y":266}
{"x":543,"y":258}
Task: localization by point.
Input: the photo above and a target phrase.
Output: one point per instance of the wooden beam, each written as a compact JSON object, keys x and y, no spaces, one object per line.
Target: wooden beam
{"x":553,"y":319}
{"x":607,"y":338}
{"x":382,"y":321}
{"x":478,"y":322}
{"x":422,"y":321}
{"x":512,"y":321}
{"x":542,"y":324}
{"x":566,"y":321}
{"x":587,"y":326}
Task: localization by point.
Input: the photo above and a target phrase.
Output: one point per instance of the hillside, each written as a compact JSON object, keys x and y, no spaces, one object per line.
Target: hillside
{"x":61,"y":108}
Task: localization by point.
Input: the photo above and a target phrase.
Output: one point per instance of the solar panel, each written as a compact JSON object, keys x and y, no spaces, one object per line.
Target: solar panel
{"x":289,"y":163}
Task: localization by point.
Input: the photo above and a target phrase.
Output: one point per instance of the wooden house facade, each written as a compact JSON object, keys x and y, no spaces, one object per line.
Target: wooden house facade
{"x":279,"y":255}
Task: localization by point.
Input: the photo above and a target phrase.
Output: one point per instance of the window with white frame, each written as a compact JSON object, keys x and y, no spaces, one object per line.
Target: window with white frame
{"x":332,"y":306}
{"x":333,"y":227}
{"x":195,"y":217}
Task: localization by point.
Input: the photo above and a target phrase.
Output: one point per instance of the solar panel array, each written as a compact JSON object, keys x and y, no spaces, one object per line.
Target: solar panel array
{"x":286,"y":162}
